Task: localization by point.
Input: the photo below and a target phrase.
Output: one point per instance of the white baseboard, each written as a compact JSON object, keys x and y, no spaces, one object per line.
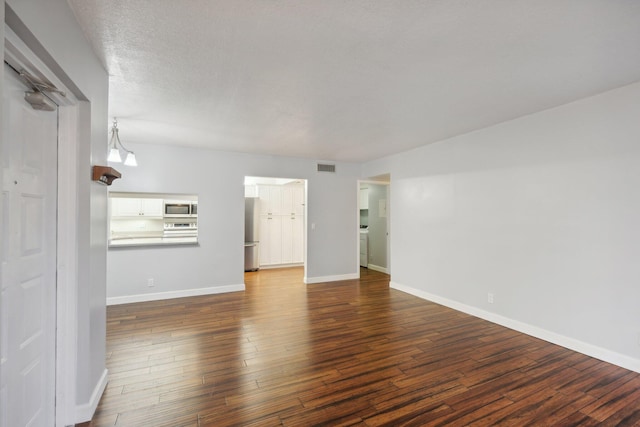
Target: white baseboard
{"x":609,"y":356}
{"x":378,"y":268}
{"x":272,"y":266}
{"x":85,"y":411}
{"x":126,"y":299}
{"x":322,"y":279}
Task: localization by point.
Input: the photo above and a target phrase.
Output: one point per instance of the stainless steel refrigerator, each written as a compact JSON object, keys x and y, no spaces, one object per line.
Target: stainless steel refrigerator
{"x":251,"y":240}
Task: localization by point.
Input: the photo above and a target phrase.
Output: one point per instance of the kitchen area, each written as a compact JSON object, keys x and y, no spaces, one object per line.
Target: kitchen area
{"x":274,"y":222}
{"x":152,"y":219}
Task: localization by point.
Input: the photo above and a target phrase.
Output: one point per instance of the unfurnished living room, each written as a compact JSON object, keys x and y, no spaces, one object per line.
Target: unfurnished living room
{"x":297,"y":213}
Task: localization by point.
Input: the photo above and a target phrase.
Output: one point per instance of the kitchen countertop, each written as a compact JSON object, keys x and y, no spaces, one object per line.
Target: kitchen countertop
{"x":152,"y":241}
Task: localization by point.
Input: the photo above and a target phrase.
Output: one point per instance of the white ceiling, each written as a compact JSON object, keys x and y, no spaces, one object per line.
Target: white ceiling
{"x":350,"y":80}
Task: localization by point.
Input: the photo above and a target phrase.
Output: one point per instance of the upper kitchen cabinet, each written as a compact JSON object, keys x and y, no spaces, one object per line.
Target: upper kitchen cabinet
{"x":270,"y":199}
{"x":297,"y":199}
{"x":281,"y":199}
{"x":292,"y":200}
{"x":364,"y":198}
{"x":132,"y":207}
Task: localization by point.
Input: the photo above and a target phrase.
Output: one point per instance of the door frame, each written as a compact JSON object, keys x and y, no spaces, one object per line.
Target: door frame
{"x":387,"y":183}
{"x":305,"y":183}
{"x":70,"y":130}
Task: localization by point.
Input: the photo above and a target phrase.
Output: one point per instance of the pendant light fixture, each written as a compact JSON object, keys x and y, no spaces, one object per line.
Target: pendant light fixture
{"x":115,"y":146}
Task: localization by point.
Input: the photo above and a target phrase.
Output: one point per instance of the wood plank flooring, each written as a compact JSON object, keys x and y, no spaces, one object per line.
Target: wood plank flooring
{"x":350,"y":353}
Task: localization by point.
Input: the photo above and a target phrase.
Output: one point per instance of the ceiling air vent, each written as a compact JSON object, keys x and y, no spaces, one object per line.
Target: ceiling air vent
{"x":326,"y":168}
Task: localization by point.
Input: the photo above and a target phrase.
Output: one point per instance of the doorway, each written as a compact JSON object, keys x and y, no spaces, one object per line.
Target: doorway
{"x":29,"y":255}
{"x":374,"y":223}
{"x":37,"y":255}
{"x":275,"y":222}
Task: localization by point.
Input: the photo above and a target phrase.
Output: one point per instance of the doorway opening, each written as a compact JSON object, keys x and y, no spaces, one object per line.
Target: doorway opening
{"x":374,"y":250}
{"x":275,"y":223}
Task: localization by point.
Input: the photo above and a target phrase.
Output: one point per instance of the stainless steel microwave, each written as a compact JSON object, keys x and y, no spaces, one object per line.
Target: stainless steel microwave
{"x":180,"y":209}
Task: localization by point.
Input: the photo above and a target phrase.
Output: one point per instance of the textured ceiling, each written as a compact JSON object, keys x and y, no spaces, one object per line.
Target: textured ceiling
{"x":350,"y":80}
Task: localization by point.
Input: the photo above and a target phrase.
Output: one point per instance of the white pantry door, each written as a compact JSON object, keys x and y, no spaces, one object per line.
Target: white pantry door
{"x":28,"y":257}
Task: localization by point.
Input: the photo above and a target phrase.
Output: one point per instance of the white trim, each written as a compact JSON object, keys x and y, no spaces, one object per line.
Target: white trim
{"x":322,"y":279}
{"x":373,"y":181}
{"x":274,"y":266}
{"x":386,"y":270}
{"x":389,"y":213}
{"x":20,"y":54}
{"x":357,"y":257}
{"x":305,"y":230}
{"x":67,"y":309}
{"x":552,"y":337}
{"x":85,"y":411}
{"x":174,"y":294}
{"x":377,"y":268}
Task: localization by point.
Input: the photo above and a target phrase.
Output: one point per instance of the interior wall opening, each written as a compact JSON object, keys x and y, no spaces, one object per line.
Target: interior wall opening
{"x":374,"y":250}
{"x":275,"y":223}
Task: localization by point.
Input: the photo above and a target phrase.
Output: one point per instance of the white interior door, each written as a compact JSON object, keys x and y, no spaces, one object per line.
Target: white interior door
{"x":28,"y":257}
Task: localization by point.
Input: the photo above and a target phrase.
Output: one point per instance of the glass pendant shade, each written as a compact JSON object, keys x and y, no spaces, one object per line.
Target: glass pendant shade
{"x":114,"y":156}
{"x":130,"y":160}
{"x":115,"y":146}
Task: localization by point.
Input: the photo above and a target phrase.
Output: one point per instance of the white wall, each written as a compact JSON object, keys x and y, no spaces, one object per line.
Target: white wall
{"x":54,"y":35}
{"x":1,"y":115}
{"x":217,"y":264}
{"x":542,"y":212}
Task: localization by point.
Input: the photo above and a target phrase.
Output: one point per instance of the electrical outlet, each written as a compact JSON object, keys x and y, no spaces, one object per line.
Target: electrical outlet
{"x":151,"y":283}
{"x":490,"y":298}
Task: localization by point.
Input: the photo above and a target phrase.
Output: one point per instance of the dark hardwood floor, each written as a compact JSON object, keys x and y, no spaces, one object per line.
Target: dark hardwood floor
{"x":344,"y":353}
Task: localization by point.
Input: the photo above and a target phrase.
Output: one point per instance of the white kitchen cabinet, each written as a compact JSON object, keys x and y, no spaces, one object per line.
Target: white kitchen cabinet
{"x":292,"y":199}
{"x":364,"y":198}
{"x":286,"y":201}
{"x":152,"y":207}
{"x":297,"y":239}
{"x":281,"y":199}
{"x":281,"y":224}
{"x":297,"y":199}
{"x":125,"y":207}
{"x":132,"y":207}
{"x":287,"y":239}
{"x":292,"y":239}
{"x":270,"y":240}
{"x":264,"y":193}
{"x":270,"y":199}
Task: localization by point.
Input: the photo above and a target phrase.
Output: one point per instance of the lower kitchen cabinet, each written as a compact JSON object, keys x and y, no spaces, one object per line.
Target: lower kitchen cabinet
{"x":292,"y":239}
{"x":270,"y":232}
{"x":298,"y":239}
